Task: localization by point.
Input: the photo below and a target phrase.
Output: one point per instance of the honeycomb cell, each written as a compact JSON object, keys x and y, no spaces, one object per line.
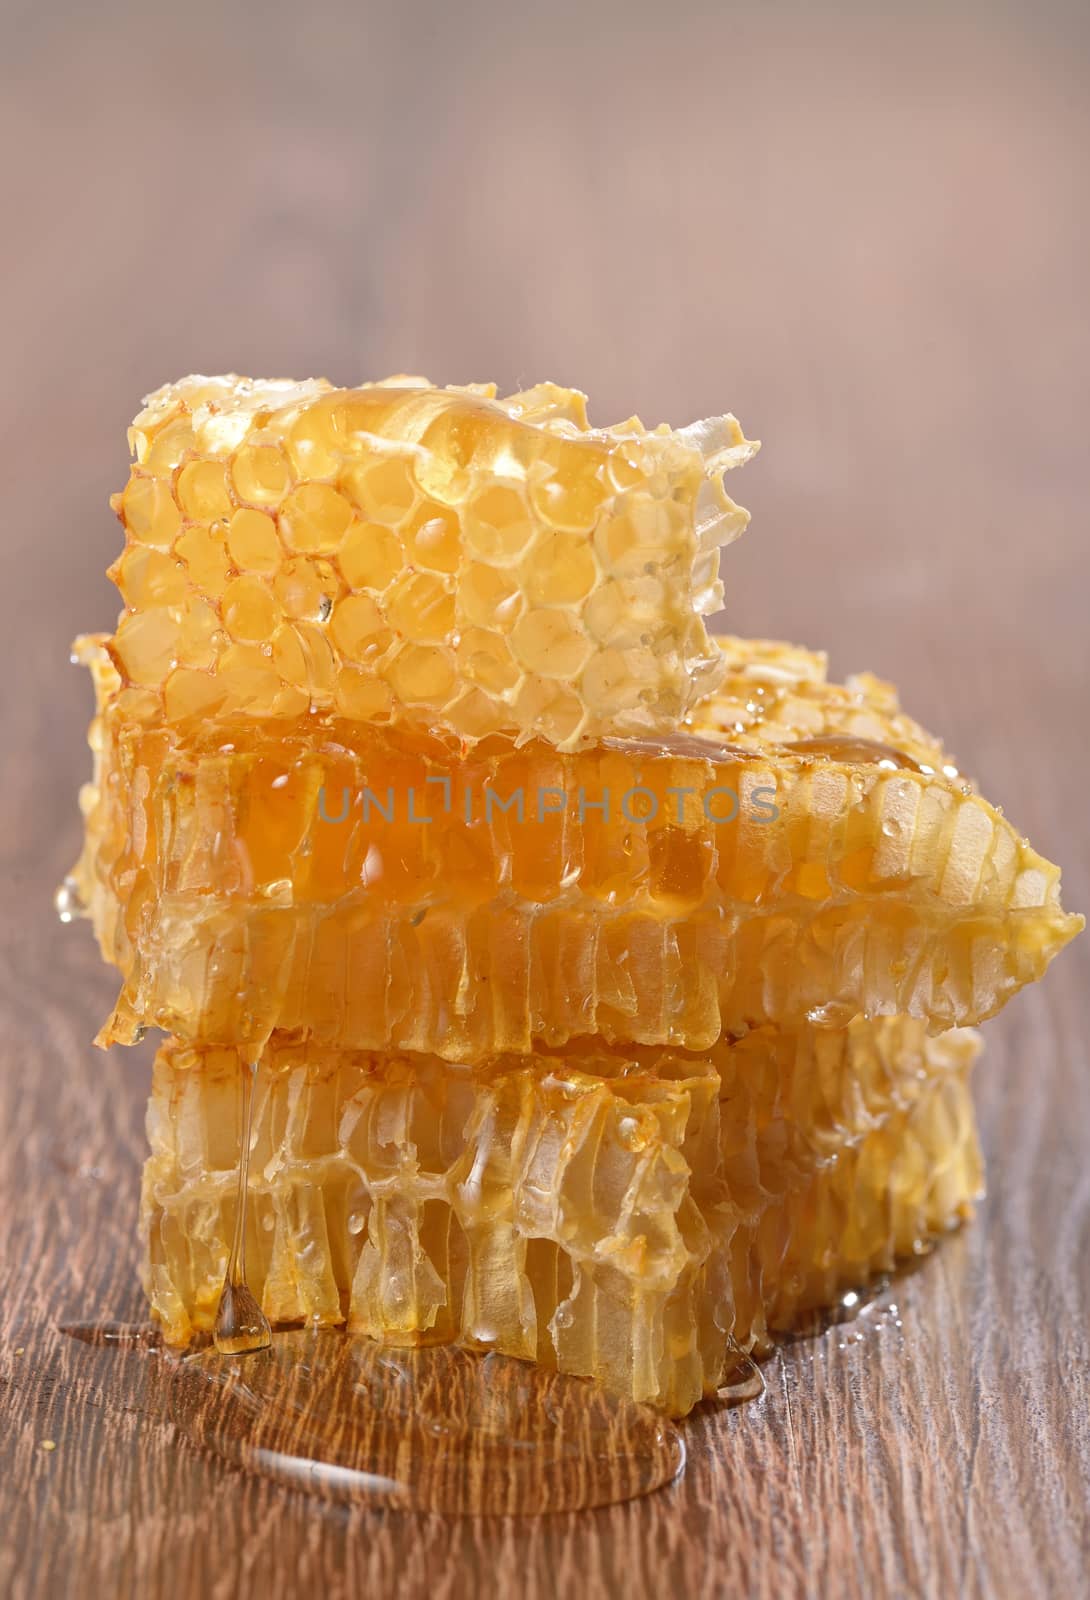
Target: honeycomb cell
{"x":146,"y":644}
{"x":615,"y":680}
{"x":363,"y":697}
{"x":422,"y":674}
{"x":307,"y":588}
{"x":559,"y":571}
{"x":193,"y":694}
{"x":570,"y":497}
{"x":646,"y":535}
{"x":553,"y":710}
{"x":261,"y":474}
{"x":314,"y":518}
{"x":207,"y":559}
{"x":168,"y":448}
{"x":148,"y":578}
{"x":498,"y":525}
{"x":370,"y":556}
{"x":550,"y":644}
{"x":249,"y":677}
{"x":148,"y":512}
{"x":626,"y":614}
{"x":249,"y":609}
{"x":420,"y":606}
{"x":384,"y":491}
{"x":198,"y":635}
{"x":484,"y":659}
{"x":433,"y":538}
{"x":358,"y":628}
{"x":201,"y":491}
{"x":313,"y":445}
{"x":253,"y":543}
{"x":490,"y":598}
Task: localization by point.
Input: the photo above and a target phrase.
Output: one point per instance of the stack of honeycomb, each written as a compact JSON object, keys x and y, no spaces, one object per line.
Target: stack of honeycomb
{"x":611,"y":985}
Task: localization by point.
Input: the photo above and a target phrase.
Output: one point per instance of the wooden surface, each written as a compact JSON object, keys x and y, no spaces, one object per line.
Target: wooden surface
{"x":867,"y":232}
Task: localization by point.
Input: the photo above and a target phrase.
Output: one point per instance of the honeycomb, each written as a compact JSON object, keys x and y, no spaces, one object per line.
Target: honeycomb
{"x":608,"y":1213}
{"x":816,"y":877}
{"x":399,"y":552}
{"x":608,"y":980}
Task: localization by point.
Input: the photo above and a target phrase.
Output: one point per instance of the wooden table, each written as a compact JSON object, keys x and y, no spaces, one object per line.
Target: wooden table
{"x":868,"y":235}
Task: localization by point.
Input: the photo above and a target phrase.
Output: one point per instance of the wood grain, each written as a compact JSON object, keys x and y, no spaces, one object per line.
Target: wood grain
{"x":867,"y":231}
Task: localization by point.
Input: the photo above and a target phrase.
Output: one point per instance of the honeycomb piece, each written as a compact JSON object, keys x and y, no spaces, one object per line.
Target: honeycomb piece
{"x":377,"y":887}
{"x":291,"y":547}
{"x":774,"y":693}
{"x":615,"y":1216}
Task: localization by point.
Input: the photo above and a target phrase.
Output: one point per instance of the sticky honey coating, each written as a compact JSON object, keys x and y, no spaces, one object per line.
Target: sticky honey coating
{"x":401,"y":553}
{"x":382,"y":887}
{"x":623,"y":1216}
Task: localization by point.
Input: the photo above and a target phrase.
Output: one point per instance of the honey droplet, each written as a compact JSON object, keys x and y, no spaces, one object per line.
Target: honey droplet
{"x":69,"y":902}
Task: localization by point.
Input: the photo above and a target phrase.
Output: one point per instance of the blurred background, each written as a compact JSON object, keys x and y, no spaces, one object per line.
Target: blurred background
{"x":864,"y":229}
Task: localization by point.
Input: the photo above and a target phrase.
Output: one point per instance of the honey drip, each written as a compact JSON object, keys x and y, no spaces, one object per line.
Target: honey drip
{"x":241,"y":1326}
{"x":744,"y":1381}
{"x":434,"y":1428}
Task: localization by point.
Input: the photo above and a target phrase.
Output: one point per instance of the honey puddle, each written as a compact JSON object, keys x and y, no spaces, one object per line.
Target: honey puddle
{"x":427,"y":1429}
{"x":433,"y":1428}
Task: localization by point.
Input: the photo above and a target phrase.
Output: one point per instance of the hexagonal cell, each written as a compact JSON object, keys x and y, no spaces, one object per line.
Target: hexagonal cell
{"x":560,"y":570}
{"x":420,"y":607}
{"x":489,"y":597}
{"x":550,"y":643}
{"x":307,"y":588}
{"x":199,"y":634}
{"x":146,"y":643}
{"x":170,"y":446}
{"x":314,"y":518}
{"x":497,"y":523}
{"x":189,"y":693}
{"x":253,"y":542}
{"x":249,"y":678}
{"x":204,"y":551}
{"x":358,"y":628}
{"x":363,"y":696}
{"x":261,"y":474}
{"x":149,"y":578}
{"x":383,"y":489}
{"x":433,"y":537}
{"x":572,"y":492}
{"x":423,"y":674}
{"x":201,"y":491}
{"x":149,"y":512}
{"x":314,"y":446}
{"x":614,"y":681}
{"x":554,"y":710}
{"x":645,"y":533}
{"x":249,"y":609}
{"x":370,"y":557}
{"x":484,"y":659}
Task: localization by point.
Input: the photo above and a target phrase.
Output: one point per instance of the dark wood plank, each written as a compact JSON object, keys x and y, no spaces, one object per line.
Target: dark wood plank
{"x":869,"y":235}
